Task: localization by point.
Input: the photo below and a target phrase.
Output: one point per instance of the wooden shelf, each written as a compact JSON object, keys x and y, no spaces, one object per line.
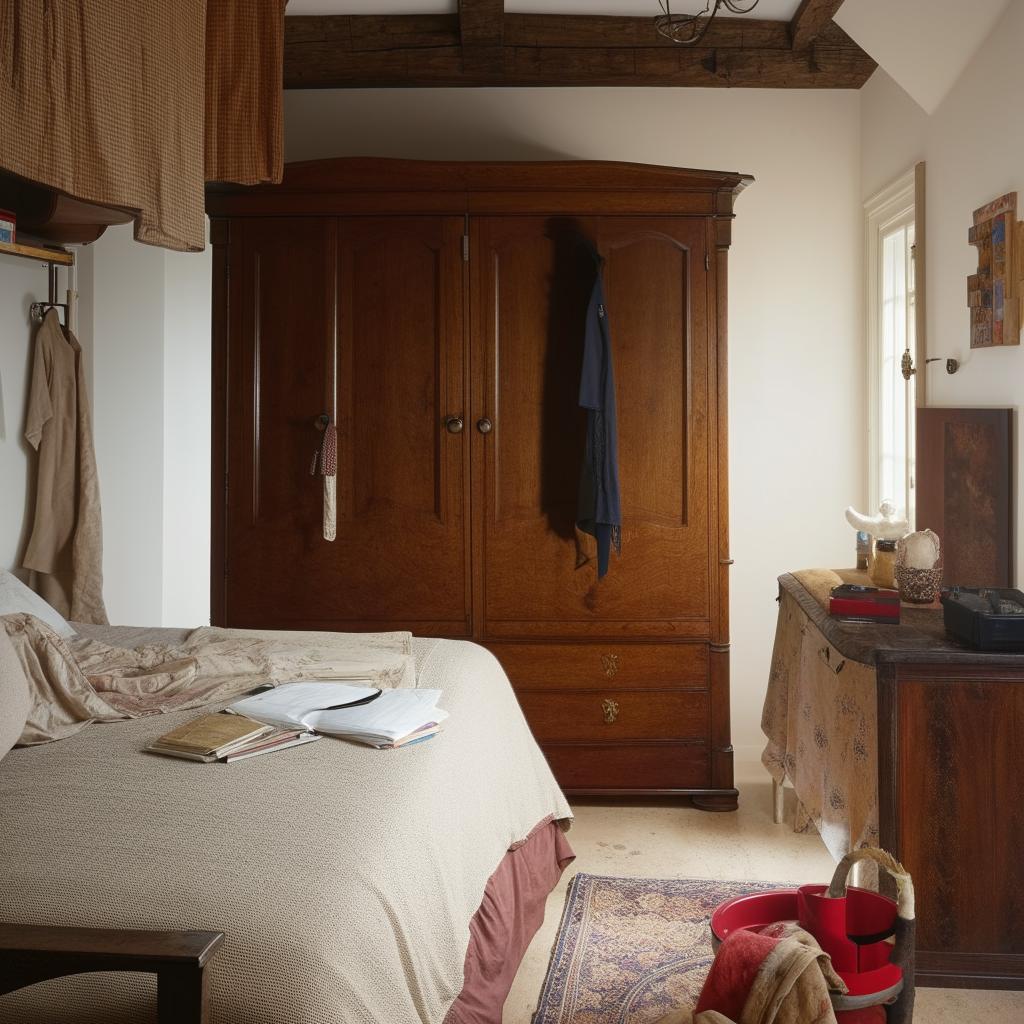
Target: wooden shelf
{"x":63,"y":257}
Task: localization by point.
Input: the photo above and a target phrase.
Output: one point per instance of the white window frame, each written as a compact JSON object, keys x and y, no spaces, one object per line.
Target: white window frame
{"x":897,"y":204}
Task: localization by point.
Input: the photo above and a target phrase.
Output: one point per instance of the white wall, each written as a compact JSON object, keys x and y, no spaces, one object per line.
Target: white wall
{"x":974,"y":151}
{"x":150,"y":376}
{"x":128,"y":397}
{"x":186,"y":497}
{"x":796,"y":384}
{"x":894,"y":133}
{"x":925,"y":44}
{"x":151,"y":322}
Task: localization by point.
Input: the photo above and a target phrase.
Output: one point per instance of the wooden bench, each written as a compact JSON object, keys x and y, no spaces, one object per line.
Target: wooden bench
{"x":34,"y":953}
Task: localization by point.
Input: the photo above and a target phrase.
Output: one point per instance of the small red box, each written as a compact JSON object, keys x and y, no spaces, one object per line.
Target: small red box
{"x":865,"y":604}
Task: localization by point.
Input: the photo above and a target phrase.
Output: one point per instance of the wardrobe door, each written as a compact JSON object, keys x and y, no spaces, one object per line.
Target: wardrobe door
{"x":403,"y":502}
{"x":539,"y":576}
{"x":360,"y":319}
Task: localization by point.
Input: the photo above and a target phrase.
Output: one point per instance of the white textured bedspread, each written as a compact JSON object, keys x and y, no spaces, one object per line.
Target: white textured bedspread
{"x":344,"y":877}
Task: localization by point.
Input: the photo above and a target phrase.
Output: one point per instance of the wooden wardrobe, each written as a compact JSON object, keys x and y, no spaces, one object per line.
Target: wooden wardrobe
{"x":436,"y":312}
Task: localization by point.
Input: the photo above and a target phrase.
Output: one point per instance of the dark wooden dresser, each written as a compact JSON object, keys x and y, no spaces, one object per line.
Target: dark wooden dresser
{"x":950,"y":760}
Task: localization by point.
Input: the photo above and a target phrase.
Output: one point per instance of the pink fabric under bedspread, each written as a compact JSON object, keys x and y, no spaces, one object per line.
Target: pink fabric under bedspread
{"x":510,"y":914}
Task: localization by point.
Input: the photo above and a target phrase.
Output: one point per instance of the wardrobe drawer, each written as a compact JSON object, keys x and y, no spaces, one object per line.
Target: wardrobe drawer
{"x":588,"y":666}
{"x":630,"y":766}
{"x":572,"y":715}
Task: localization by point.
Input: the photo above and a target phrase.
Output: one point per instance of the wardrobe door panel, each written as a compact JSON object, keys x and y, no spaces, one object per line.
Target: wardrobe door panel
{"x":402,"y":476}
{"x":279,"y":371}
{"x":360,"y":319}
{"x":533,"y":280}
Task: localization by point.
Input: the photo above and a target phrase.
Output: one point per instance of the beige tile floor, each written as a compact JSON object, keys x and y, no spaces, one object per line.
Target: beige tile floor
{"x":665,"y":840}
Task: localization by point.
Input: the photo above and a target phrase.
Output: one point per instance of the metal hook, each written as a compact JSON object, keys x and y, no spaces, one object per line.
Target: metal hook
{"x":952,"y":365}
{"x":908,"y":369}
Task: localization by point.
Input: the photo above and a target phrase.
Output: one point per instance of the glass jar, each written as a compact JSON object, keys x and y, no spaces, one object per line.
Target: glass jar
{"x":883,"y":564}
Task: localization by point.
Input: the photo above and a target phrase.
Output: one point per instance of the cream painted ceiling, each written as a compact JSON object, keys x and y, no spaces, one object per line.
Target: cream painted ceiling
{"x":780,"y":9}
{"x":923,"y":44}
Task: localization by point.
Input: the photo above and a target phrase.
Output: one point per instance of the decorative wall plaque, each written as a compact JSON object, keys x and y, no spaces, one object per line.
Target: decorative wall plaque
{"x":994,"y":293}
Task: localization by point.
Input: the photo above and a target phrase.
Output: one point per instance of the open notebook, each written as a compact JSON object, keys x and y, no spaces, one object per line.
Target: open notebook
{"x":379,"y":718}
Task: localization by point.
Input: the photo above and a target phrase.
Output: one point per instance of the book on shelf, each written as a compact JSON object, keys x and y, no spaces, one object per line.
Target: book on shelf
{"x":362,"y":713}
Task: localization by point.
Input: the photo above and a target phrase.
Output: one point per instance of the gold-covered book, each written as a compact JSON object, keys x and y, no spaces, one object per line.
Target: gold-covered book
{"x":210,"y":737}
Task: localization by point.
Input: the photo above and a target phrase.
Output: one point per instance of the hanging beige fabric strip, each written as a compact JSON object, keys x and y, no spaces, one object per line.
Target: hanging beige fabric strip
{"x":329,"y":467}
{"x":330,"y":508}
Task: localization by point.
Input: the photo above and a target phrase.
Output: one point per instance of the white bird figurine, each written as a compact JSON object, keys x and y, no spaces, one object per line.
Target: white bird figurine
{"x":884,"y":526}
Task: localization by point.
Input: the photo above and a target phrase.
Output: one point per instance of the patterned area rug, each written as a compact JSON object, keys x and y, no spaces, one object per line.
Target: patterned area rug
{"x":632,"y":950}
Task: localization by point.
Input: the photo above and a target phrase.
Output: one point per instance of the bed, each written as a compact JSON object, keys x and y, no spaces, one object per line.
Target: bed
{"x":352,"y":884}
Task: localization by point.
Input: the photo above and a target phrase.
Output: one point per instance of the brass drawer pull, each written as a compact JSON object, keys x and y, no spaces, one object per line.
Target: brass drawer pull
{"x":610,"y":663}
{"x":610,"y":709}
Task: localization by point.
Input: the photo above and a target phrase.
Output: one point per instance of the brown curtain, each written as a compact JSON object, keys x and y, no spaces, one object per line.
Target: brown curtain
{"x":134,"y":104}
{"x":244,"y":61}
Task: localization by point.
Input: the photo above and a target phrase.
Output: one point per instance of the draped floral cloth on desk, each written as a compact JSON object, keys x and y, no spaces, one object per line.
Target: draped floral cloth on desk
{"x":135,"y":104}
{"x":822,"y":726}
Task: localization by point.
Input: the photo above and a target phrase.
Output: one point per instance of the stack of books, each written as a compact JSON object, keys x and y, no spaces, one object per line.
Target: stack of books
{"x":224,"y":737}
{"x":364,"y":714}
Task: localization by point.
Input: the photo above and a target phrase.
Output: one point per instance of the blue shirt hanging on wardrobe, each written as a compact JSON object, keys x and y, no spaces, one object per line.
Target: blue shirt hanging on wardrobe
{"x":598,"y":513}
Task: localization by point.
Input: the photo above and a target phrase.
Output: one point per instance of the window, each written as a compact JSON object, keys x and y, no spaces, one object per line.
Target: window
{"x":891,"y":337}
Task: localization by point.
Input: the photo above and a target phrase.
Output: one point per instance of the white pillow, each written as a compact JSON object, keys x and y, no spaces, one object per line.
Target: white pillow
{"x":16,"y":597}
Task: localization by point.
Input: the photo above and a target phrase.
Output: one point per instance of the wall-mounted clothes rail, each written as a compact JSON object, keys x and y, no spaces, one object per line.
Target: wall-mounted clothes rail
{"x":38,"y":309}
{"x":51,"y":257}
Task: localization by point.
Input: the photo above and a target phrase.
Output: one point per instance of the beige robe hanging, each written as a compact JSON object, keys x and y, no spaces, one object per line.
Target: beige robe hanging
{"x":65,"y":549}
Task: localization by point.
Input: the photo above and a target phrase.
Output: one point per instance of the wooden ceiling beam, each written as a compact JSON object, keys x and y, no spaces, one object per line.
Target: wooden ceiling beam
{"x":811,"y":19}
{"x":481,"y":22}
{"x":573,"y":30}
{"x":369,"y":32}
{"x":361,"y":51}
